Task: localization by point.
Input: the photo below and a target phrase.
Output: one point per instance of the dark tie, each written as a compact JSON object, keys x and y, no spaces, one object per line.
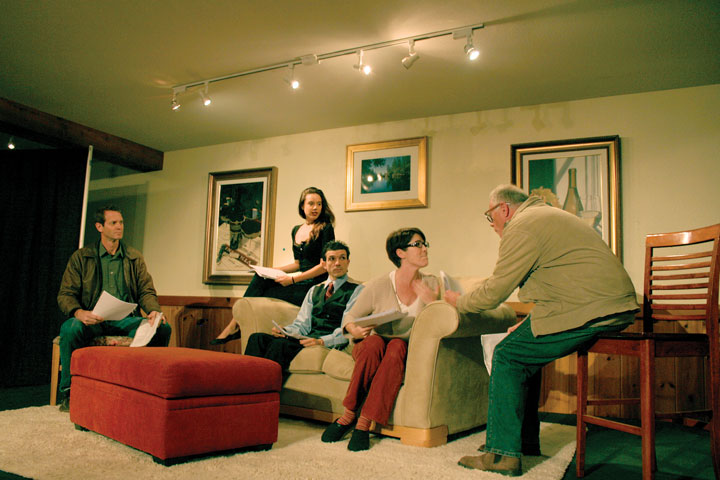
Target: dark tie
{"x":329,"y":291}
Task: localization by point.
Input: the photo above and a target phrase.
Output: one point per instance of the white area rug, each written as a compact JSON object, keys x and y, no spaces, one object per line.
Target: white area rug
{"x":42,"y":443}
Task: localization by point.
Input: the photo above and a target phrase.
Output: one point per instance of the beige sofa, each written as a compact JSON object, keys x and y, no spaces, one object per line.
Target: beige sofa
{"x":445,"y":387}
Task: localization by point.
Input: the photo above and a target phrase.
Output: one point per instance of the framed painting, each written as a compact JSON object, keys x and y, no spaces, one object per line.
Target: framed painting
{"x":387,"y":175}
{"x":239,"y":229}
{"x":581,"y":176}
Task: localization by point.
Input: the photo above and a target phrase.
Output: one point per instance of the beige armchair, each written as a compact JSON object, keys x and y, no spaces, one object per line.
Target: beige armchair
{"x":445,"y":389}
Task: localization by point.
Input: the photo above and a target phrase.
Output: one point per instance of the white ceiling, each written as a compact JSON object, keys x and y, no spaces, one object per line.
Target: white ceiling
{"x":110,"y":65}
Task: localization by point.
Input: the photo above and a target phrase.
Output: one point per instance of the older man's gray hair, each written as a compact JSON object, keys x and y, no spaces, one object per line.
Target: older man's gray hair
{"x":508,"y":194}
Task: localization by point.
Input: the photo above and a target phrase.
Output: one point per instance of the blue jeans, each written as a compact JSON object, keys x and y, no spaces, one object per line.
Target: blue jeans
{"x":74,"y":334}
{"x":515,"y":381}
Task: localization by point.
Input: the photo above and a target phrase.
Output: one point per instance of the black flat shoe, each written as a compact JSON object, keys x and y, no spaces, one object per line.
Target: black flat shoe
{"x":359,"y":441}
{"x":220,"y":341}
{"x":335,"y":432}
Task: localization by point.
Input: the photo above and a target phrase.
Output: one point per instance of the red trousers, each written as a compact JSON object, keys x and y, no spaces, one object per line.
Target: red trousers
{"x":377,"y":377}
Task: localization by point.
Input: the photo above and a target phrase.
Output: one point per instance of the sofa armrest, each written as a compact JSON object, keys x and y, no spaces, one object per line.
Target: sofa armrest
{"x":256,"y":314}
{"x":445,"y":374}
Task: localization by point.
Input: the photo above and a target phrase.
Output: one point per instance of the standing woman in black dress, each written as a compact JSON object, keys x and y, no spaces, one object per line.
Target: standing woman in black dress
{"x":308,"y":240}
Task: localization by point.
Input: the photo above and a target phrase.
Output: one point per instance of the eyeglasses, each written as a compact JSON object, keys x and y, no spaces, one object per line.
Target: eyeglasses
{"x":418,"y":244}
{"x":487,"y":213}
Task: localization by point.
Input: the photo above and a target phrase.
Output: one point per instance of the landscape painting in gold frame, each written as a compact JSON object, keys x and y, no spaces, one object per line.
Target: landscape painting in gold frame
{"x":387,"y":175}
{"x":580,"y":175}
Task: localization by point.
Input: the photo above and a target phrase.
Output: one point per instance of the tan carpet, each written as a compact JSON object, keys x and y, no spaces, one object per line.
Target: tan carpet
{"x":42,"y":443}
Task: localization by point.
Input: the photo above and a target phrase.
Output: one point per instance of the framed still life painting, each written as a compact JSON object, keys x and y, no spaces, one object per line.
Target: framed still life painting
{"x":239,"y":229}
{"x":581,"y":176}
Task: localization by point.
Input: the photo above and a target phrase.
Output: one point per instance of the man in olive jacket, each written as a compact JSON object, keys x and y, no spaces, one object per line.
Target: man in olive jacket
{"x":112,"y":266}
{"x":580,"y":290}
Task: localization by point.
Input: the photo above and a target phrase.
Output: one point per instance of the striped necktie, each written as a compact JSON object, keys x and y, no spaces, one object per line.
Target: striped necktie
{"x":329,"y":291}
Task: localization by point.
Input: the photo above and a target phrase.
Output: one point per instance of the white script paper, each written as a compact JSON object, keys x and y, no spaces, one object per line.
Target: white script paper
{"x":146,"y":331}
{"x":489,"y":342}
{"x":289,"y":334}
{"x":267,"y":272}
{"x":112,"y":308}
{"x":450,"y":283}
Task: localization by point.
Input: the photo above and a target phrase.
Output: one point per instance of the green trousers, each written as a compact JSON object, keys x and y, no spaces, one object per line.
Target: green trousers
{"x":515,"y":380}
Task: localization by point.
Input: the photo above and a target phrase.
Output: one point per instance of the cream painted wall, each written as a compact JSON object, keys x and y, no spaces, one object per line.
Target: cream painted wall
{"x":670,"y":143}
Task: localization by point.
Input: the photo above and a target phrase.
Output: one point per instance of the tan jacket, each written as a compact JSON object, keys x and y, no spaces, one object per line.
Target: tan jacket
{"x":81,"y":283}
{"x":561,"y":265}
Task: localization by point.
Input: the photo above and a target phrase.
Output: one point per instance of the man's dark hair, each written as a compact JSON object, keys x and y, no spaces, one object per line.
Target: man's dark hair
{"x":335,"y":245}
{"x":100,"y":213}
{"x":400,"y":239}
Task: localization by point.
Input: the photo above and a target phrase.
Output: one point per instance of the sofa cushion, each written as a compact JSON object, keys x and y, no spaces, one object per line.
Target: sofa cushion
{"x":338,"y":365}
{"x":309,"y":360}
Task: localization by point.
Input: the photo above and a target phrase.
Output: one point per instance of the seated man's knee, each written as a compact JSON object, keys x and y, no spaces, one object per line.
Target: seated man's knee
{"x":72,"y":327}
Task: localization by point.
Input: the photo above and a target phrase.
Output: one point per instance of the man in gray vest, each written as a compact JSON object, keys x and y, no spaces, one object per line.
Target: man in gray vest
{"x":320,"y":315}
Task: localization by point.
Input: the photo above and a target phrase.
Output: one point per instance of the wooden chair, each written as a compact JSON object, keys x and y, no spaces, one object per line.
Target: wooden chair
{"x":680,"y":287}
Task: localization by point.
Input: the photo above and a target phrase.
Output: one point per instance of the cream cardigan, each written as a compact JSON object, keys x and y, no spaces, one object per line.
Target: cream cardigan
{"x":378,"y":295}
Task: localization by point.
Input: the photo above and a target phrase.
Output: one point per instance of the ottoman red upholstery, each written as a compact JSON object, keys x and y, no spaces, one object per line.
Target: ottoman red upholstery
{"x":176,"y":402}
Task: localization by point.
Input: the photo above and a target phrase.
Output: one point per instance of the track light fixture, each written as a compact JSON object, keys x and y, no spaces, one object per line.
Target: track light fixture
{"x":205,"y":97}
{"x":412,"y":55}
{"x":360,"y":66}
{"x":11,"y":144}
{"x":464,"y":33}
{"x":291,"y":80}
{"x":467,"y":33}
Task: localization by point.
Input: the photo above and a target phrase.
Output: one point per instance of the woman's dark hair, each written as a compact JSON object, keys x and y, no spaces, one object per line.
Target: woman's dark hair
{"x":326,"y":215}
{"x":400,"y":239}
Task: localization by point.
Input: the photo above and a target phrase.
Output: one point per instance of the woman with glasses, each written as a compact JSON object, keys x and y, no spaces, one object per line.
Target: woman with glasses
{"x":380,"y":351}
{"x":308,"y":240}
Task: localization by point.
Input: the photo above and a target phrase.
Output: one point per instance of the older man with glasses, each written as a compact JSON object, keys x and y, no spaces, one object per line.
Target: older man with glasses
{"x":579,"y":288}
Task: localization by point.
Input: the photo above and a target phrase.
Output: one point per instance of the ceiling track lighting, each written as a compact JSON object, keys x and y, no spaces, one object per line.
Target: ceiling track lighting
{"x":412,"y":55}
{"x":291,"y":80}
{"x":205,"y":97}
{"x":360,"y":66}
{"x":465,"y":32}
{"x":11,"y":144}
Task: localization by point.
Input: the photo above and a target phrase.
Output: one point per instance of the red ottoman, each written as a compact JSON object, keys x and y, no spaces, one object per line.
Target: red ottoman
{"x":176,"y":402}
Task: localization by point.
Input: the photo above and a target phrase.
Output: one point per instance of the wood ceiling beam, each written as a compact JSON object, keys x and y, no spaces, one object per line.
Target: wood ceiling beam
{"x":41,"y":127}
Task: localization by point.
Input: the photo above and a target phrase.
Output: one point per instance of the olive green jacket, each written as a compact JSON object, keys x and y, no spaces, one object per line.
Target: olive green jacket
{"x":81,"y":283}
{"x":561,"y":265}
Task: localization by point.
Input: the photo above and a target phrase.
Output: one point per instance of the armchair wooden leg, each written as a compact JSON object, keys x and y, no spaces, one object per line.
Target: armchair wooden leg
{"x":647,"y":409}
{"x":581,"y":430}
{"x":54,"y":373}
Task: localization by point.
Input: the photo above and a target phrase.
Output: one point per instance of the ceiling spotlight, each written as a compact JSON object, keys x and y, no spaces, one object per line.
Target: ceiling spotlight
{"x":205,"y":97}
{"x":470,"y":50}
{"x":11,"y":144}
{"x":412,"y":56}
{"x":360,"y":66}
{"x":290,"y":80}
{"x":175,"y":105}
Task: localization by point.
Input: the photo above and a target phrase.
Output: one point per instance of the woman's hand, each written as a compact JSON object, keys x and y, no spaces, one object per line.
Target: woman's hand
{"x":285,"y":280}
{"x":423,"y":291}
{"x":309,"y":342}
{"x":358,"y":332}
{"x":277,"y":332}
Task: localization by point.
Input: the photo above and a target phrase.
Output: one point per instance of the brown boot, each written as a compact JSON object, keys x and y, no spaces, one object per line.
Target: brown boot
{"x":491,"y":462}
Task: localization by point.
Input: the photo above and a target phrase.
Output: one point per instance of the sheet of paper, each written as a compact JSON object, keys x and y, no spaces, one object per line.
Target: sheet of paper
{"x":289,"y":334}
{"x":489,"y":342}
{"x":267,"y":272}
{"x":145,"y":332}
{"x":379,"y":318}
{"x":450,"y":283}
{"x":112,"y":308}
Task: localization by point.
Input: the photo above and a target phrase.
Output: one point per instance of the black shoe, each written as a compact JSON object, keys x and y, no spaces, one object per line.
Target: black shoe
{"x":527,"y":450}
{"x":335,"y":432}
{"x":220,"y":341}
{"x":65,"y":404}
{"x":359,"y":441}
